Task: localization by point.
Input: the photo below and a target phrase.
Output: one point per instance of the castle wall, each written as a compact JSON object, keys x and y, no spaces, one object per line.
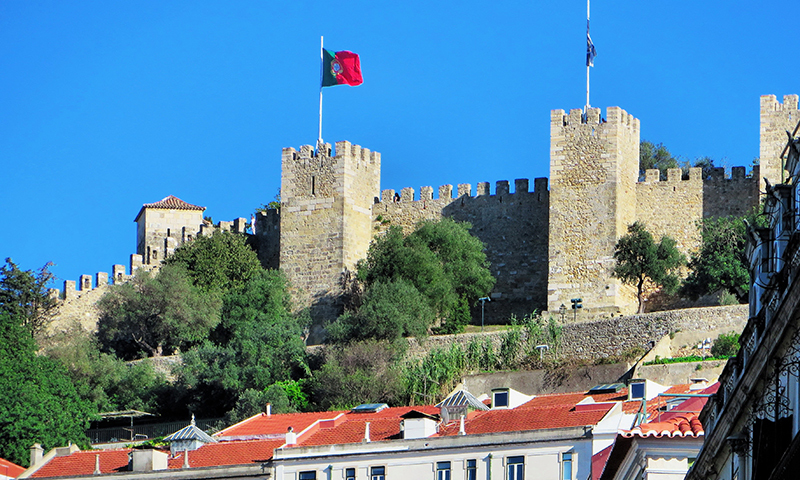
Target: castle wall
{"x":267,"y":240}
{"x":675,"y":206}
{"x":512,"y":225}
{"x":325,"y":220}
{"x":776,"y":119}
{"x":593,"y":171}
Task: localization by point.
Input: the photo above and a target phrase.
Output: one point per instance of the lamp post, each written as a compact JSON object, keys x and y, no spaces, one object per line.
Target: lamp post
{"x":483,"y":301}
{"x":562,"y":310}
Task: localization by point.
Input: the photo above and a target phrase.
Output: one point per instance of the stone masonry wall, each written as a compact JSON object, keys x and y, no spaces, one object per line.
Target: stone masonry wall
{"x":609,"y":337}
{"x":325,"y":224}
{"x":593,"y":169}
{"x":675,"y":206}
{"x":776,"y":119}
{"x":512,"y":225}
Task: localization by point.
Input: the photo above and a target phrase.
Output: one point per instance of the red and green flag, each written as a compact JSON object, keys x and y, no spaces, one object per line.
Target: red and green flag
{"x":340,"y":68}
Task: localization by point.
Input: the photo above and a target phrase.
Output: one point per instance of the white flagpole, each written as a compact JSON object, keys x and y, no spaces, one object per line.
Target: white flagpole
{"x":586,"y":110}
{"x":319,"y":138}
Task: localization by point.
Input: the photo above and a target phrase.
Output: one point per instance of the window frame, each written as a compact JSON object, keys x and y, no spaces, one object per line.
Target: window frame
{"x":347,"y":474}
{"x":304,"y":475}
{"x":567,"y":458}
{"x":471,"y":469}
{"x":373,"y":475}
{"x":444,"y":470}
{"x":515,"y":467}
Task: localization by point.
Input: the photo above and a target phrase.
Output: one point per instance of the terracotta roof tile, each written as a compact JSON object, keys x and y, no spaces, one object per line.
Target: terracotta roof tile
{"x":681,"y":421}
{"x":116,"y":460}
{"x":83,"y":463}
{"x":522,"y":419}
{"x":174,"y":203}
{"x":9,"y":469}
{"x":276,"y":424}
{"x":599,"y":460}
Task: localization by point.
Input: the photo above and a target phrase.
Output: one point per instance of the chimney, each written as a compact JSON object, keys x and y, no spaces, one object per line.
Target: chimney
{"x":185,"y":459}
{"x":366,"y":433}
{"x":97,"y":464}
{"x":268,"y":409}
{"x":37,"y":452}
{"x":461,"y":429}
{"x":291,"y":437}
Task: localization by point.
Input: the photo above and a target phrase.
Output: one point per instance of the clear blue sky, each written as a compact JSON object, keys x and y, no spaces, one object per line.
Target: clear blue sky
{"x":105,"y":105}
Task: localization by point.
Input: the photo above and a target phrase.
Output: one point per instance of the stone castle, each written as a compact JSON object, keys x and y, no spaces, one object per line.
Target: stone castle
{"x":546,"y":245}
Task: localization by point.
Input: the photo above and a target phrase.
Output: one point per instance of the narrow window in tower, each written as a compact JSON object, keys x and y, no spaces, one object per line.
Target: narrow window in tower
{"x":168,"y":232}
{"x":313,"y":185}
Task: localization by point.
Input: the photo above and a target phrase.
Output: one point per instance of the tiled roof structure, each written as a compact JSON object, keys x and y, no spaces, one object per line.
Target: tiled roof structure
{"x":8,"y":469}
{"x":254,"y":440}
{"x":173,"y":203}
{"x":680,"y":421}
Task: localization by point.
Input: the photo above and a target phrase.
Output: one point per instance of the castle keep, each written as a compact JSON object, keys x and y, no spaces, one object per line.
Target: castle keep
{"x":546,"y":244}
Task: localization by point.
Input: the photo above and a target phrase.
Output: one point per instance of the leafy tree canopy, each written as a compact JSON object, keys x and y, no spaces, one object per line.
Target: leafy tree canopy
{"x":652,"y":156}
{"x":218,"y":261}
{"x":38,"y":401}
{"x":440,"y":259}
{"x":362,"y":372}
{"x":640,"y":258}
{"x":257,"y":343}
{"x":390,"y":310}
{"x":721,"y":261}
{"x":156,"y":314}
{"x":24,"y":295}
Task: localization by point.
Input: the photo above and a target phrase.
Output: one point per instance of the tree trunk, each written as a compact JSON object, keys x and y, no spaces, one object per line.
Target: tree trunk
{"x":639,"y":289}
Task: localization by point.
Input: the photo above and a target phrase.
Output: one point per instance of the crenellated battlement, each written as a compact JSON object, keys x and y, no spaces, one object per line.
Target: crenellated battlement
{"x":593,"y":117}
{"x":717,"y":174}
{"x":407,"y":194}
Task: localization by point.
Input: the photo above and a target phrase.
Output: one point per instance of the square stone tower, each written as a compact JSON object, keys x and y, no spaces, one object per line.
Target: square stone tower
{"x":326,"y":220}
{"x":163,"y":226}
{"x":776,"y":119}
{"x":594,"y":166}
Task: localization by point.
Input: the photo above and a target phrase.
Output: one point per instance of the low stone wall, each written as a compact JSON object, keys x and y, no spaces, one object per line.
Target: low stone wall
{"x":611,"y":336}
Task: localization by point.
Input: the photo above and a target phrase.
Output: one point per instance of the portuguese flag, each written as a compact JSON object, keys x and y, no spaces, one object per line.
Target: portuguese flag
{"x":340,"y":68}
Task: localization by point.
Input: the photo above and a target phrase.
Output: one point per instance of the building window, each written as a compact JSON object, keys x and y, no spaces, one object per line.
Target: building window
{"x":566,"y":466}
{"x":472,"y":470}
{"x":500,"y":399}
{"x":442,"y":470}
{"x":516,"y":468}
{"x":349,"y":474}
{"x":377,"y":473}
{"x":308,"y":475}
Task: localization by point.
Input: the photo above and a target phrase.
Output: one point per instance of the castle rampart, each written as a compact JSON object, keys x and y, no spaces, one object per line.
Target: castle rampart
{"x":593,"y":171}
{"x":776,"y":119}
{"x":325,"y":219}
{"x":512,"y":225}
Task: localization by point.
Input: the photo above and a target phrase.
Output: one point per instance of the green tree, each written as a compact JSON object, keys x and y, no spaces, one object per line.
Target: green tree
{"x":258,"y":342}
{"x":390,"y":310}
{"x":721,"y":262}
{"x":38,"y":401}
{"x":156,"y":314}
{"x":361,"y":372}
{"x":24,"y":295}
{"x":653,"y":156}
{"x":726,"y":345}
{"x":640,"y":258}
{"x":440,"y":259}
{"x":219,"y":261}
{"x":103,"y":379}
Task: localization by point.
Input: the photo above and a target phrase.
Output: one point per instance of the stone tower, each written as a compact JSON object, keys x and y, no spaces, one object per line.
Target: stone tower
{"x":594,"y":166}
{"x":776,"y":119}
{"x":163,"y":226}
{"x":325,"y":220}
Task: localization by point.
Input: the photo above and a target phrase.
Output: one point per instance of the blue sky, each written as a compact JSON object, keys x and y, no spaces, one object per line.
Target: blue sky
{"x":105,"y":105}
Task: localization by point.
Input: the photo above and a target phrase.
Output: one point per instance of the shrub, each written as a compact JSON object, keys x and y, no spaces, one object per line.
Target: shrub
{"x":727,"y":344}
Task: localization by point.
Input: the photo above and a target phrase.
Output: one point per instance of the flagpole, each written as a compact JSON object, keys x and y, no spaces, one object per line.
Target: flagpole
{"x":319,"y":137}
{"x":586,"y":110}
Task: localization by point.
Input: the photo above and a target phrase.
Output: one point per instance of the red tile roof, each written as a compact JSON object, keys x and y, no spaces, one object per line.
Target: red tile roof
{"x":276,"y":424}
{"x":116,"y":460}
{"x":173,"y":203}
{"x":599,"y":460}
{"x":83,"y":463}
{"x":9,"y":469}
{"x":531,"y":418}
{"x":681,"y":421}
